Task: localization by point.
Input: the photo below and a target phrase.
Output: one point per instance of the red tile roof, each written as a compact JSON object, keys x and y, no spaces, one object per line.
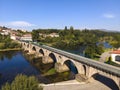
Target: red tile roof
{"x":27,"y":35}
{"x":115,"y":52}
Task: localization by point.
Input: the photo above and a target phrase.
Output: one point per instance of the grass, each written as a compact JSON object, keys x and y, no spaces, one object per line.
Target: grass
{"x":112,"y":63}
{"x":107,"y":49}
{"x":10,"y":49}
{"x":50,"y":72}
{"x":96,"y":57}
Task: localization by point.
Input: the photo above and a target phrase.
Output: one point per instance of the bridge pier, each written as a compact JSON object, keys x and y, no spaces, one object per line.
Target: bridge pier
{"x":47,"y":59}
{"x":37,"y":55}
{"x":31,"y":53}
{"x":61,"y":68}
{"x":81,"y":78}
{"x":40,"y":55}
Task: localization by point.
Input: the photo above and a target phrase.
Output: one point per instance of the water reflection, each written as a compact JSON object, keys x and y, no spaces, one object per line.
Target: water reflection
{"x":13,"y":63}
{"x":7,"y":54}
{"x":17,"y":62}
{"x":44,"y":68}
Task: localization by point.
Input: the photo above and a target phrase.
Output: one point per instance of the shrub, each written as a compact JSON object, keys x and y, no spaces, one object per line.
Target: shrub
{"x":2,"y":45}
{"x":22,"y":82}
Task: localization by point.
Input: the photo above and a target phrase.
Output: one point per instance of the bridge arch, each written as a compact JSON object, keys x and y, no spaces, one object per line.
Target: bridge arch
{"x":71,"y":66}
{"x":41,"y":51}
{"x":106,"y":81}
{"x":33,"y":48}
{"x":53,"y":57}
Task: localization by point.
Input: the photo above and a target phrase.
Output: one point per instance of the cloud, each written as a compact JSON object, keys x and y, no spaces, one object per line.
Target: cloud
{"x":109,"y":15}
{"x":18,"y":24}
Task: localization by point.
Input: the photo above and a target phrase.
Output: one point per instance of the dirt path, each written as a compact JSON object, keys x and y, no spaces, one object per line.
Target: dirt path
{"x":104,"y":56}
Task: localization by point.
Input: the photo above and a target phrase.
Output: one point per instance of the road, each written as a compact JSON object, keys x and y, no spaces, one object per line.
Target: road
{"x":104,"y":56}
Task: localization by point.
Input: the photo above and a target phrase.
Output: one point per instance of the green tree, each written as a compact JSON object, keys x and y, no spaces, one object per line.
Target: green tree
{"x":2,"y":45}
{"x":6,"y":87}
{"x":89,"y":51}
{"x":71,"y":29}
{"x":65,"y":28}
{"x":35,"y":35}
{"x":22,"y":82}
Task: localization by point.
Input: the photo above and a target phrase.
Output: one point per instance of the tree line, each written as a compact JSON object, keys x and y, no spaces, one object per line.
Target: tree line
{"x":7,"y":43}
{"x":73,"y":38}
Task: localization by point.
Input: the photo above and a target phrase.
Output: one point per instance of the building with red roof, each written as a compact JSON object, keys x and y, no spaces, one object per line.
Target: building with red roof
{"x":115,"y":56}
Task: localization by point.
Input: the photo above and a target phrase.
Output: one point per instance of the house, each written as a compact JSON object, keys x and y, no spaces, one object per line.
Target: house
{"x":26,"y":37}
{"x":5,"y":32}
{"x":49,"y":35}
{"x":14,"y":37}
{"x":115,"y":56}
{"x":54,"y":35}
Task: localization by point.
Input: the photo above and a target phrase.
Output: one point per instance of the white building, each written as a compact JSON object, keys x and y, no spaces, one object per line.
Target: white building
{"x":115,"y":56}
{"x":5,"y":32}
{"x":49,"y":35}
{"x":26,"y":37}
{"x":14,"y":37}
{"x":54,"y":35}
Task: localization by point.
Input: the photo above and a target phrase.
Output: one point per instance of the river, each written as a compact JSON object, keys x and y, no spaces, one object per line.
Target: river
{"x":13,"y":63}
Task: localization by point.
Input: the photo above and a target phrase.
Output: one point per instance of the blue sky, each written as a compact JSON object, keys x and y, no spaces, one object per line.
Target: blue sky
{"x":31,"y":14}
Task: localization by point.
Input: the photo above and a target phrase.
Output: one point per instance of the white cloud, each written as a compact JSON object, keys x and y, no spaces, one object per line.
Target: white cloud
{"x":18,"y":24}
{"x":109,"y":15}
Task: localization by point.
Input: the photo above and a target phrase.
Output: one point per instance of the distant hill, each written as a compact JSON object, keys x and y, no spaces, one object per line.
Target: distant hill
{"x":109,"y":30}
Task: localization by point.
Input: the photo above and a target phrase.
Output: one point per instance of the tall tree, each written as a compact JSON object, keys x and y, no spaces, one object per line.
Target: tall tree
{"x":71,"y":29}
{"x":65,"y":28}
{"x":35,"y":35}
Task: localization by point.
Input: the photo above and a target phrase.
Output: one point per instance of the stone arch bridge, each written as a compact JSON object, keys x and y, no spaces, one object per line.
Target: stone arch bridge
{"x":80,"y":65}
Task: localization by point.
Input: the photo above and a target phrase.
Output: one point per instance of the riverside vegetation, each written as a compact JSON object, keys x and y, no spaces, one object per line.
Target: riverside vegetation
{"x":73,"y":39}
{"x":7,"y":44}
{"x":23,"y":82}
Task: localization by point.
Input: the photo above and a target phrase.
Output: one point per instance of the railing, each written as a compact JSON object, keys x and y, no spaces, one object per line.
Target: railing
{"x":99,"y":65}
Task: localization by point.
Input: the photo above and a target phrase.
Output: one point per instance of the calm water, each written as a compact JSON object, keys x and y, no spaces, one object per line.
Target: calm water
{"x":14,"y":62}
{"x":105,"y":44}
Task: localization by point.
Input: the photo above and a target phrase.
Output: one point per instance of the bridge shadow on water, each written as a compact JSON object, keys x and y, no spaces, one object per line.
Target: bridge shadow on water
{"x":45,"y":68}
{"x":106,"y":81}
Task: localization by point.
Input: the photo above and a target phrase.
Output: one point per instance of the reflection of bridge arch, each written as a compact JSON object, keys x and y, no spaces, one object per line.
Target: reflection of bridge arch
{"x":106,"y":81}
{"x":71,"y":66}
{"x":41,"y":51}
{"x":33,"y":48}
{"x":53,"y":57}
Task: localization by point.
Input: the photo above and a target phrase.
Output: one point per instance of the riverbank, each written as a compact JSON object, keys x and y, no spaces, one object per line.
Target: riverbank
{"x":10,"y":49}
{"x":75,"y":85}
